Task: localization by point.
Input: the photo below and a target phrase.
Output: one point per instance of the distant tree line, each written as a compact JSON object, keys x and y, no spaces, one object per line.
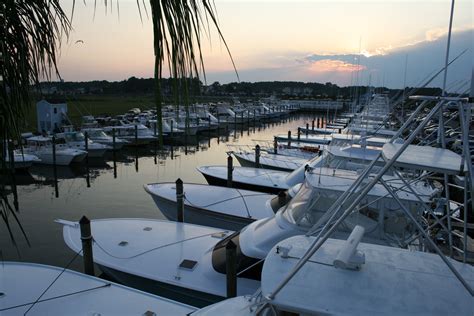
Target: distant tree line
{"x":282,"y":89}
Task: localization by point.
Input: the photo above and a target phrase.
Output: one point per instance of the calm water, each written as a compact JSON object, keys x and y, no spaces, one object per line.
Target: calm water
{"x":105,"y":194}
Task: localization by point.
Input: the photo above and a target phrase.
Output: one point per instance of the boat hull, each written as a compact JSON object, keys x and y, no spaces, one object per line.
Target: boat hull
{"x":96,"y":153}
{"x":61,"y":160}
{"x":177,"y":293}
{"x":200,"y":216}
{"x":78,"y":158}
{"x":242,"y":185}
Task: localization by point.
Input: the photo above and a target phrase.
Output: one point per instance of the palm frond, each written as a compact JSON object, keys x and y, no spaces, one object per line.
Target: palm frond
{"x":177,"y":27}
{"x":31,"y":33}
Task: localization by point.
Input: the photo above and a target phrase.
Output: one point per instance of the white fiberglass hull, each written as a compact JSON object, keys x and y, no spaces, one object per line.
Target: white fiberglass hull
{"x":220,"y":207}
{"x":153,"y":250}
{"x":270,"y":161}
{"x":254,"y":179}
{"x":33,"y":289}
{"x":310,"y":139}
{"x":23,"y":161}
{"x":63,"y":157}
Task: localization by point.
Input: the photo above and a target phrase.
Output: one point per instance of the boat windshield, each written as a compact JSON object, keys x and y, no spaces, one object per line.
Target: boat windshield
{"x":97,"y":134}
{"x":74,"y":137}
{"x":301,"y":210}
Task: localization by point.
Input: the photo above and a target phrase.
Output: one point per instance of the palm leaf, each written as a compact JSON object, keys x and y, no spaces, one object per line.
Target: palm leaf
{"x":30,"y":32}
{"x":177,"y":27}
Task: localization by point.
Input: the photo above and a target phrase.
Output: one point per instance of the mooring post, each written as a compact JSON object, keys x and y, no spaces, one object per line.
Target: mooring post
{"x":307,"y":129}
{"x":230,"y":169}
{"x":275,"y":145}
{"x":113,"y":139}
{"x":54,"y":151}
{"x":55,"y":170}
{"x":257,"y":156}
{"x":289,"y":138}
{"x":299,"y":133}
{"x":281,"y":198}
{"x":86,"y":147}
{"x":86,"y":239}
{"x":231,"y":268}
{"x":136,"y":134}
{"x":319,"y":126}
{"x":180,"y":200}
{"x":312,"y":125}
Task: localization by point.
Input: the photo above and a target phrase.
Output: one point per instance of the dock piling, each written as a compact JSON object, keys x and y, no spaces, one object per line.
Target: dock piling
{"x":230,"y":169}
{"x":299,"y":134}
{"x":86,"y":239}
{"x":55,"y":170}
{"x":307,"y":129}
{"x":113,"y":139}
{"x":289,"y":138}
{"x":136,"y":134}
{"x":257,"y":156}
{"x":312,"y":125}
{"x":86,"y":146}
{"x":180,"y":200}
{"x":275,"y":145}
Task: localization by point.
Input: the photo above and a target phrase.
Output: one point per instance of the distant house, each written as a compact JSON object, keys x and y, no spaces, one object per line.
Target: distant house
{"x":51,"y":115}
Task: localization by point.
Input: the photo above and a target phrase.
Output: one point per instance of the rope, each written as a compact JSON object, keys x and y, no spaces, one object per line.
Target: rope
{"x":59,"y":275}
{"x":56,"y":297}
{"x":155,"y":248}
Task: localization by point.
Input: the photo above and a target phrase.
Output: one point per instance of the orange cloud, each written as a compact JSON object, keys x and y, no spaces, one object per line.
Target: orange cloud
{"x":331,"y":65}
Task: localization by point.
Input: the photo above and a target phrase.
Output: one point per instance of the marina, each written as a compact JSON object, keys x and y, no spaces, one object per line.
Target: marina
{"x":174,"y":196}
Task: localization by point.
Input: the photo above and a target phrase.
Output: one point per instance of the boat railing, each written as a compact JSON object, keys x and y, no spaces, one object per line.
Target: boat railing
{"x":338,"y":212}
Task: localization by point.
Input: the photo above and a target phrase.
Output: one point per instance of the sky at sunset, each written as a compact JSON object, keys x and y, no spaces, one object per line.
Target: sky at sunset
{"x":310,"y":40}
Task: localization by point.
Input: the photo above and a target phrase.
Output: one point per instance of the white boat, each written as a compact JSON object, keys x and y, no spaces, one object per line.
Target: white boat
{"x":98,"y":135}
{"x":76,"y":140}
{"x":375,"y":131}
{"x":318,"y":130}
{"x":221,"y":207}
{"x":169,"y":128}
{"x":162,"y":256}
{"x":42,"y":148}
{"x":269,"y":161}
{"x":309,"y":139}
{"x":376,"y":280}
{"x":273,"y":181}
{"x":36,"y":289}
{"x":136,"y":134}
{"x":190,"y":129}
{"x":305,"y":152}
{"x":254,"y":179}
{"x":22,"y":160}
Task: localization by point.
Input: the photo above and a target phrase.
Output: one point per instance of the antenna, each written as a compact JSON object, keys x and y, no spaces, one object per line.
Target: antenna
{"x":447,"y":48}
